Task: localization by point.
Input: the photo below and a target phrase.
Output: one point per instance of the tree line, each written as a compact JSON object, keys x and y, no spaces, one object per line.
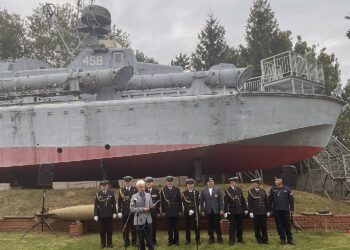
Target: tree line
{"x":35,"y":36}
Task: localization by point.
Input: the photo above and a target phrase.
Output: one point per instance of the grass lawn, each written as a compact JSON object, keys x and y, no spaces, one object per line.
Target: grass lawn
{"x":20,"y":202}
{"x":304,"y":240}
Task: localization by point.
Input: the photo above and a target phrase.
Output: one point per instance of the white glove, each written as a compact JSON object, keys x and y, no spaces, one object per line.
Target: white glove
{"x":251,"y":215}
{"x":120,"y":215}
{"x":96,"y":218}
{"x":190,"y":212}
{"x":114,"y":216}
{"x":245,"y":212}
{"x":268,"y":214}
{"x":225,"y":215}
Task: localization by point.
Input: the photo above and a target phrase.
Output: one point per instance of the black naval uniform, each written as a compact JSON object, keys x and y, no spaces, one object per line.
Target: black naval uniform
{"x":104,"y":208}
{"x":281,"y":203}
{"x":172,"y":206}
{"x":258,"y":206}
{"x":155,"y":194}
{"x":235,"y":204}
{"x":125,"y":194}
{"x":190,"y":201}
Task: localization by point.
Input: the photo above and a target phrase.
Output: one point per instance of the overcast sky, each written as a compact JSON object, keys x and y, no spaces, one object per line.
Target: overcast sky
{"x":164,"y":28}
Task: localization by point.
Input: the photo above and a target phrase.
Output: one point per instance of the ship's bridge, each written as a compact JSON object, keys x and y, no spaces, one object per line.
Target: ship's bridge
{"x":288,"y":72}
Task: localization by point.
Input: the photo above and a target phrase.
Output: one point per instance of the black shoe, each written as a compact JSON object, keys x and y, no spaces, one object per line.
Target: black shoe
{"x":211,"y":240}
{"x":102,"y":246}
{"x":170,"y":243}
{"x":232,"y":243}
{"x":265,"y":242}
{"x":198,"y":242}
{"x":221,"y":241}
{"x":187,"y":242}
{"x":283,"y":242}
{"x":110,"y":246}
{"x":241,"y":241}
{"x":134,"y":244}
{"x":126,"y":244}
{"x":291,"y":242}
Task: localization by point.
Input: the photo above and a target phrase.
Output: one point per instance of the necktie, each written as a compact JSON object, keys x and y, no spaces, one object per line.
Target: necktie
{"x":143,"y":199}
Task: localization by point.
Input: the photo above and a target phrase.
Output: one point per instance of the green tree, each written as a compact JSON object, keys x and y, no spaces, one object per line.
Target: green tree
{"x":182,"y":60}
{"x":263,"y":36}
{"x":43,"y":34}
{"x":12,"y":35}
{"x":342,"y":128}
{"x":141,"y":57}
{"x":211,"y":47}
{"x":330,"y":63}
{"x":345,"y":95}
{"x":331,"y":70}
{"x":120,"y":36}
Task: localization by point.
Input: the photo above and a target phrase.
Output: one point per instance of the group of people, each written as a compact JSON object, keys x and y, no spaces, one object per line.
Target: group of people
{"x":140,"y":207}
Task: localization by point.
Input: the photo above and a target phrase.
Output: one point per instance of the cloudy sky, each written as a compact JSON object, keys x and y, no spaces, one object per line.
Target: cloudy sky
{"x":164,"y":28}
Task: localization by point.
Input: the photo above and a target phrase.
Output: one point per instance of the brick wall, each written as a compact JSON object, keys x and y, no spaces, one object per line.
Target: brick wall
{"x":20,"y":224}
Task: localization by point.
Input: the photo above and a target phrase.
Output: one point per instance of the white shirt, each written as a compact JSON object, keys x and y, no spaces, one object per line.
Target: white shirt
{"x":210,"y":191}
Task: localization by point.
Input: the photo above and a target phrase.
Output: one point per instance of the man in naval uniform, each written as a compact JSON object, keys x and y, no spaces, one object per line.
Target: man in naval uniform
{"x":281,"y":202}
{"x":190,"y":201}
{"x":155,"y":211}
{"x":171,"y":207}
{"x":124,"y":213}
{"x":141,"y":205}
{"x":212,"y":209}
{"x":258,"y":210}
{"x":104,"y":212}
{"x":235,"y":208}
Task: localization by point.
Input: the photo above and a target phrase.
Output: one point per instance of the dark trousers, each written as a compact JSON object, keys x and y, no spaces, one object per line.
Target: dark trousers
{"x":154,"y":228}
{"x":282,"y":220}
{"x":173,"y":229}
{"x":129,"y":227}
{"x":236,"y":227}
{"x":260,"y":228}
{"x":213,"y":221}
{"x":106,"y":230}
{"x":191,"y":221}
{"x":144,"y":232}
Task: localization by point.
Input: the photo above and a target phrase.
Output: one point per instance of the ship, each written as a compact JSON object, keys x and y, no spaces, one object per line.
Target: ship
{"x":107,"y":115}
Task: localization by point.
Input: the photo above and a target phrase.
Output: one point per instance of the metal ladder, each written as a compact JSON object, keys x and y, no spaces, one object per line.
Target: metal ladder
{"x":333,"y":166}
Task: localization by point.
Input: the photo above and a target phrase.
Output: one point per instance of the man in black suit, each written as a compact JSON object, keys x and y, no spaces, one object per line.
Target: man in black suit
{"x":124,"y":213}
{"x":104,"y":212}
{"x":235,"y":207}
{"x":190,"y":200}
{"x":258,"y":210}
{"x":212,"y":208}
{"x":171,"y":207}
{"x":155,"y":211}
{"x":281,"y":202}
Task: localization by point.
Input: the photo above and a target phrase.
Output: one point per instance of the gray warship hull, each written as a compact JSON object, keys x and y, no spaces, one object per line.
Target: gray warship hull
{"x":164,"y":135}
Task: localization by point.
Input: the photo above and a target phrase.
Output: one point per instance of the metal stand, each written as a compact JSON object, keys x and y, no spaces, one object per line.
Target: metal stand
{"x":125,"y":225}
{"x":197,"y":222}
{"x":43,"y":218}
